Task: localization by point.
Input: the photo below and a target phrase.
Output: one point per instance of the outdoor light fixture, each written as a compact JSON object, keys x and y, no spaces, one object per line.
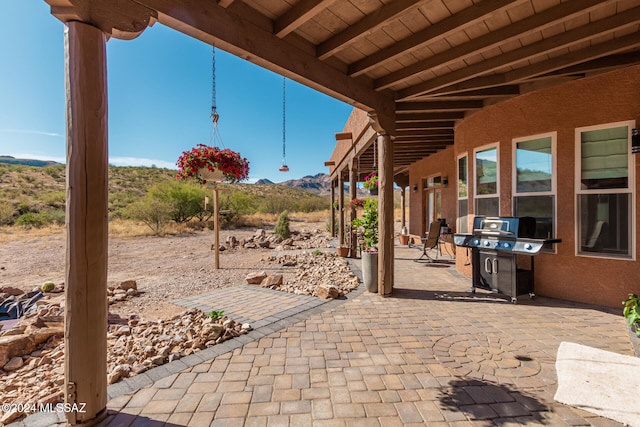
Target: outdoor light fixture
{"x":415,"y":188}
{"x":635,"y":141}
{"x":445,"y":181}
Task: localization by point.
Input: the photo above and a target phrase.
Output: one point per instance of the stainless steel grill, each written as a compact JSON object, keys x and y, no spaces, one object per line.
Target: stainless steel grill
{"x":495,"y":244}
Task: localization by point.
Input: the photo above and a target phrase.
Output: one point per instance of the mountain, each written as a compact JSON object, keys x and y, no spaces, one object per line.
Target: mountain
{"x":317,"y":184}
{"x":264,"y":181}
{"x":27,"y":162}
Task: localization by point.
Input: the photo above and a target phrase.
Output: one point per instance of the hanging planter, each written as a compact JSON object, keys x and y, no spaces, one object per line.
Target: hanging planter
{"x":210,"y":164}
{"x":371,"y":183}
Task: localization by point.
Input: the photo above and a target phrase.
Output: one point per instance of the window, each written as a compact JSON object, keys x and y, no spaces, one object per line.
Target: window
{"x":604,"y":191}
{"x":534,"y":183}
{"x":487,"y":201}
{"x":463,"y":196}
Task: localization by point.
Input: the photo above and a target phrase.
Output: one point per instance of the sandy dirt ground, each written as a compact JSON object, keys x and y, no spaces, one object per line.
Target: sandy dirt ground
{"x":165,"y":268}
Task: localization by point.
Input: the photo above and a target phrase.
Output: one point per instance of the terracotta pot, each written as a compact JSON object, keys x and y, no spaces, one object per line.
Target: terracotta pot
{"x":404,"y":239}
{"x":342,"y":251}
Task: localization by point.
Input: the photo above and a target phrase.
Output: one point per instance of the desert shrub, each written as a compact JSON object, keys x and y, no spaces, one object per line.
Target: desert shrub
{"x":186,"y":199}
{"x":153,"y":212}
{"x":118,"y":203}
{"x":55,"y":199}
{"x":6,"y":213}
{"x":41,"y":219}
{"x":282,"y":227}
{"x":56,"y":172}
{"x":274,"y":204}
{"x":312,"y":204}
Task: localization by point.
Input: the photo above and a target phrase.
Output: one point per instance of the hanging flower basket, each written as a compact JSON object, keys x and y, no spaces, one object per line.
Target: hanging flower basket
{"x":371,"y":183}
{"x":356,"y":203}
{"x":210,"y":164}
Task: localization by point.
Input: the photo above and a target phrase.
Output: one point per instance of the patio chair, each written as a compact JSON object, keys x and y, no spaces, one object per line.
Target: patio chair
{"x":431,"y":241}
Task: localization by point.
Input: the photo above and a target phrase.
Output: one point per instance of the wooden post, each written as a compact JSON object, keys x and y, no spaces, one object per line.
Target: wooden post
{"x":403,"y":195}
{"x":352,"y":193}
{"x":87,"y":229}
{"x":216,"y":226}
{"x":385,"y":215}
{"x":332,"y":218}
{"x":341,"y":209}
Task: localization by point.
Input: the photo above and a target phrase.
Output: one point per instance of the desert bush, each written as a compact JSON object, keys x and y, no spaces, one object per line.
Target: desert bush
{"x":153,"y":212}
{"x":186,"y":199}
{"x":41,"y":219}
{"x":56,"y":172}
{"x":6,"y":214}
{"x":55,"y":199}
{"x":282,"y":227}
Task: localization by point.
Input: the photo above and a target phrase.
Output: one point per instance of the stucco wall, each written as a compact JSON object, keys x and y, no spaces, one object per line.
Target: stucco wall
{"x":596,"y":100}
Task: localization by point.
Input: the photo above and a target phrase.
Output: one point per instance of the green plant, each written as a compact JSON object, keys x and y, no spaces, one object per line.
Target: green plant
{"x":155,"y":213}
{"x":631,"y":311}
{"x":47,"y":286}
{"x":367,"y":225}
{"x":282,"y":227}
{"x":317,"y":252}
{"x":216,"y":314}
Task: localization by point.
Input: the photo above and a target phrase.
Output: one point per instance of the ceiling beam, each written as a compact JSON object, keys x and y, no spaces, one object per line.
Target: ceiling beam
{"x":432,"y":106}
{"x":545,"y":67}
{"x":426,"y":125}
{"x":366,"y":26}
{"x":298,"y":15}
{"x":208,"y":22}
{"x":600,"y":64}
{"x":491,"y":92}
{"x":424,"y":133}
{"x":543,"y":47}
{"x":520,"y":29}
{"x":225,"y":3}
{"x":431,"y":34}
{"x":429,"y":117}
{"x":426,"y":140}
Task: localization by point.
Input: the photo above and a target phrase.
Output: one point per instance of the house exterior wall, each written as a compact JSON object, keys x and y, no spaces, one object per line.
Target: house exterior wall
{"x":605,"y":98}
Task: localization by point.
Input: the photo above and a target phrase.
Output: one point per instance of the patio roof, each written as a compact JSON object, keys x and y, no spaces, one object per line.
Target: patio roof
{"x":434,"y":60}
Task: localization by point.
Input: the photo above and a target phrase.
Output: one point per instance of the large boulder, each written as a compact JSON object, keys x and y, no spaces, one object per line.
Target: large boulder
{"x":256,"y":277}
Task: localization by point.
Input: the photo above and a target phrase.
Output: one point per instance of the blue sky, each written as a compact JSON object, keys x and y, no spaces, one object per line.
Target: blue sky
{"x":159,"y":100}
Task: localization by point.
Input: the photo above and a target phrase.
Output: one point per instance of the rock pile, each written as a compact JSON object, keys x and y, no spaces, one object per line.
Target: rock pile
{"x":32,"y":353}
{"x":124,"y":291}
{"x":317,"y":274}
{"x":305,"y":239}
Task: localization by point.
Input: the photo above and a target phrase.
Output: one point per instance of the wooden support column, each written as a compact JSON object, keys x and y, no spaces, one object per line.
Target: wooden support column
{"x":353,"y":179}
{"x":216,"y":226}
{"x":340,"y":209}
{"x":86,"y":258}
{"x":385,"y":214}
{"x":332,"y":218}
{"x":403,"y":195}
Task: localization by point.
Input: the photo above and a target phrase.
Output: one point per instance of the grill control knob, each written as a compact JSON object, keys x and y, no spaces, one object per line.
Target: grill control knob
{"x":476,"y":242}
{"x":506,"y":245}
{"x":528,"y":246}
{"x":487,"y":243}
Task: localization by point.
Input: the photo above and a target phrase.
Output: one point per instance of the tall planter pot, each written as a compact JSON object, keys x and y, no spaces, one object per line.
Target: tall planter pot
{"x":370,"y":270}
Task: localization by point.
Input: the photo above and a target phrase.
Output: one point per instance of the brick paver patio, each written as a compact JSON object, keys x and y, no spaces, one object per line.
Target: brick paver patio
{"x":433,"y":354}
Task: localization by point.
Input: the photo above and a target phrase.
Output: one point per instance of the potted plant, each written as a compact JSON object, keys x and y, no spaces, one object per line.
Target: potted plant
{"x":204,"y":163}
{"x":404,"y":236}
{"x":356,"y":203}
{"x":367,"y":226}
{"x":371,"y":183}
{"x":631,"y":312}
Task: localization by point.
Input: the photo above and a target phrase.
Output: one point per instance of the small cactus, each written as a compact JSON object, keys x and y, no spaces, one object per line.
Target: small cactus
{"x":47,"y":286}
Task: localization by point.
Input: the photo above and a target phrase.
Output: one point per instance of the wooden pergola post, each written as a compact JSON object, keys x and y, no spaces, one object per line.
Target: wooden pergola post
{"x":353,"y":179}
{"x":385,"y":214}
{"x":332,"y":217}
{"x":383,"y":122}
{"x":341,"y":209}
{"x":87,"y":229}
{"x":216,"y":226}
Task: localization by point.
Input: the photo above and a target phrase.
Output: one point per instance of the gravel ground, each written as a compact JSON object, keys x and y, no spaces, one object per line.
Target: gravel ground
{"x":165,"y":268}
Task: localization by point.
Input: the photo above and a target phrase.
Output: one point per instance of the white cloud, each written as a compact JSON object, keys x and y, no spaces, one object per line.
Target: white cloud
{"x":31,"y":132}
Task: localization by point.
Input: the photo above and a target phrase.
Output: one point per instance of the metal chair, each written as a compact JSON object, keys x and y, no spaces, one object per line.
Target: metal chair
{"x":431,"y":241}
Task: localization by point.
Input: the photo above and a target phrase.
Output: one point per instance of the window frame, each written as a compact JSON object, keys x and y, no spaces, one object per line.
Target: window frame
{"x":554,"y":179}
{"x":467,"y":213}
{"x":631,"y":189}
{"x":477,"y":196}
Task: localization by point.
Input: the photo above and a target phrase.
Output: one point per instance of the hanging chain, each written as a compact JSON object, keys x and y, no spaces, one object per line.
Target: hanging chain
{"x":214,"y":108}
{"x":375,"y":155}
{"x":284,"y":83}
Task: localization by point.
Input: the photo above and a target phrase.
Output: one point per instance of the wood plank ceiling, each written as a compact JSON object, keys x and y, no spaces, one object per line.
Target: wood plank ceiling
{"x":438,"y":60}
